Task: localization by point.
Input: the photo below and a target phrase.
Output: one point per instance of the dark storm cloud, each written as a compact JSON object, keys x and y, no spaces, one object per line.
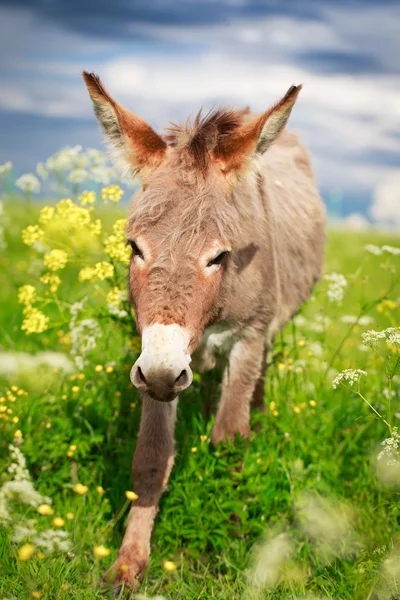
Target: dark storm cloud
{"x":120,"y":18}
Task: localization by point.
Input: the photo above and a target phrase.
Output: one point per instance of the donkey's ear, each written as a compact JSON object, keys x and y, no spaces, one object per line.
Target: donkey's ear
{"x":255,"y":136}
{"x":274,"y":120}
{"x":135,"y":147}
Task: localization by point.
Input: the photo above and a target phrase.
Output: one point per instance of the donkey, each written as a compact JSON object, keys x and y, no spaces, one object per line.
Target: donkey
{"x":227,"y":236}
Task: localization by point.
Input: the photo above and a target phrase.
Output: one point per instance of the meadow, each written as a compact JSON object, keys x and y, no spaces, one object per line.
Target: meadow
{"x":308,"y":508}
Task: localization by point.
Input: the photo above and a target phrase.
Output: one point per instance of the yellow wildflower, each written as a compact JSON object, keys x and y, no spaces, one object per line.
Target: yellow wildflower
{"x":117,"y":249}
{"x":56,"y":259}
{"x":80,"y":489}
{"x":58,"y":522}
{"x":35,"y":321}
{"x":75,"y":388}
{"x":18,"y":434}
{"x":87,"y":198}
{"x":32,"y":234}
{"x":36,"y":595}
{"x":86,"y":274}
{"x":69,"y":516}
{"x":301,"y":343}
{"x":194,"y":449}
{"x":104,"y":270}
{"x":169,"y":565}
{"x":281,"y":366}
{"x":115,"y":244}
{"x":98,"y":368}
{"x":27,"y":294}
{"x":100,"y":490}
{"x":386,"y":306}
{"x":296,"y":409}
{"x":46,"y":214}
{"x":203,"y":438}
{"x":312,"y":403}
{"x":41,"y":555}
{"x":48,"y":425}
{"x":72,"y":447}
{"x":112,"y":192}
{"x":26,"y":551}
{"x":45,"y":509}
{"x":272,"y":406}
{"x":70,"y":454}
{"x":109,"y":369}
{"x":131,"y":495}
{"x":101,"y":551}
{"x":52,"y":280}
{"x":259,"y":461}
{"x":15,"y":420}
{"x":114,"y":296}
{"x":95,"y":227}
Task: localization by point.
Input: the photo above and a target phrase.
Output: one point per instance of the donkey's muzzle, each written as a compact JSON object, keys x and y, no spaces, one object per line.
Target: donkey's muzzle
{"x":161,"y":382}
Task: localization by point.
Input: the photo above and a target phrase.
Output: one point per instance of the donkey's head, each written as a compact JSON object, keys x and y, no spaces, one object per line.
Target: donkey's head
{"x":183,"y":225}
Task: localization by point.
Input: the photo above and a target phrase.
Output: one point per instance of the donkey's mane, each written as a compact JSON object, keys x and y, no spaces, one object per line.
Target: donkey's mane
{"x":201,"y":135}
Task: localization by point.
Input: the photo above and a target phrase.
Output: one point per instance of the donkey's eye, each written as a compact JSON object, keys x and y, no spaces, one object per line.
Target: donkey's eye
{"x":218,"y":259}
{"x":135,"y":249}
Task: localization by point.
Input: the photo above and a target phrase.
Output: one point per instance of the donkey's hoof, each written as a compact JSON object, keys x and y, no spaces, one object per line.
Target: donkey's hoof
{"x":124,"y":574}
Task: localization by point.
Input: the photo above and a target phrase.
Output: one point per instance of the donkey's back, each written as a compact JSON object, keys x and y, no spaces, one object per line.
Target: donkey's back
{"x":298,"y":215}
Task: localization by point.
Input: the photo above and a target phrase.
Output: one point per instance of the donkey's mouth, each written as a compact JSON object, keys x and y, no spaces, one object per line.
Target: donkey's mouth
{"x":169,"y":397}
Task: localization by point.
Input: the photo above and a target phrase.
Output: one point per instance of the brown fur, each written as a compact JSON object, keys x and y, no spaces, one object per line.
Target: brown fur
{"x":214,"y":185}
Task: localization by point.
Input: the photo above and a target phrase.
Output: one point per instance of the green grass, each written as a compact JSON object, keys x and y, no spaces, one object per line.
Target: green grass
{"x":219,"y":502}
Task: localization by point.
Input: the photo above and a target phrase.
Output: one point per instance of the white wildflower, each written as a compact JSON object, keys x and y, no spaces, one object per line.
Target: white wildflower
{"x":372,"y":249}
{"x":101,"y":174}
{"x":78,"y":176}
{"x":28,"y":183}
{"x":352,"y":319}
{"x":80,"y":161}
{"x":53,"y":540}
{"x":352,"y":376}
{"x":385,"y":393}
{"x":23,"y":530}
{"x":299,"y":320}
{"x":390,"y":450}
{"x":337,"y":284}
{"x":114,"y":310}
{"x":42,"y":171}
{"x":391,"y":335}
{"x":97,"y":157}
{"x":269,"y":560}
{"x":84,"y":336}
{"x":5,"y":168}
{"x":328,"y":524}
{"x":391,"y":250}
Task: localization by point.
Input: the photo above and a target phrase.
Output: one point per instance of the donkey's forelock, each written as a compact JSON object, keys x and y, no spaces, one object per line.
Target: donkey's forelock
{"x":185,"y":208}
{"x":201,"y":135}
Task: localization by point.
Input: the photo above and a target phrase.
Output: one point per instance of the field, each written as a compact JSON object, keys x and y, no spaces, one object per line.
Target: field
{"x":304,"y":510}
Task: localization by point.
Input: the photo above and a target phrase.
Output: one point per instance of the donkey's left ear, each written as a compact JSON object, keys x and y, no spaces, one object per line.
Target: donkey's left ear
{"x":135,"y":147}
{"x":234,"y":150}
{"x":274,"y":120}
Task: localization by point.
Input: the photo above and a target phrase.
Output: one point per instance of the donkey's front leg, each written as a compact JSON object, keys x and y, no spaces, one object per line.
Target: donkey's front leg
{"x":239,"y":381}
{"x":152,"y":464}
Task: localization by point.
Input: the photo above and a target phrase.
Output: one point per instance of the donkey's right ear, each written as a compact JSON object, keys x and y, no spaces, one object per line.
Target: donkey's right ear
{"x":135,"y":147}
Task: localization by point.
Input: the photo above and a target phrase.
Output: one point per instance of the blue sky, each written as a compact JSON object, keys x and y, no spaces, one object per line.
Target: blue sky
{"x":164,"y":59}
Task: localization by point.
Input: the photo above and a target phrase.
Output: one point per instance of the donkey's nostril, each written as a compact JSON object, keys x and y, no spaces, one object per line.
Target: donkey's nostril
{"x":141,"y":376}
{"x":182,"y":378}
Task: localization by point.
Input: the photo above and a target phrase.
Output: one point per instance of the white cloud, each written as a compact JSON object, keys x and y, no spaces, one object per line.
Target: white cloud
{"x":385,"y":206}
